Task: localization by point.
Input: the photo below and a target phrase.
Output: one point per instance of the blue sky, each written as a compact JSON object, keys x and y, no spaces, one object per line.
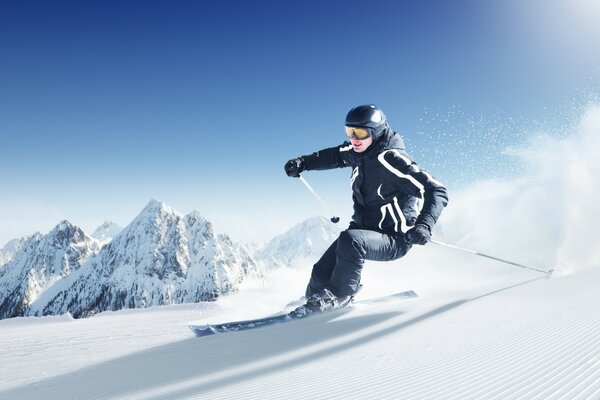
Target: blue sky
{"x":105,"y":105}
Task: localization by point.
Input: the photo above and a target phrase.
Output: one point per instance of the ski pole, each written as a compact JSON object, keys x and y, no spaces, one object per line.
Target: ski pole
{"x":333,"y":219}
{"x":493,"y":258}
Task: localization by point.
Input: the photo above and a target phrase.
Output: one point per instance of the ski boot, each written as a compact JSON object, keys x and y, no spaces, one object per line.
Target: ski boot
{"x":321,"y":302}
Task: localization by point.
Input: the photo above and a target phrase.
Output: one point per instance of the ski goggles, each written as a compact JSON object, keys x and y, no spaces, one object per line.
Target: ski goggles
{"x":358,"y":133}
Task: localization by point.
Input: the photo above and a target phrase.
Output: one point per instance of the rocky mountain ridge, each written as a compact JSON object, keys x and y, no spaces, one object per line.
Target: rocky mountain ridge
{"x":161,"y":257}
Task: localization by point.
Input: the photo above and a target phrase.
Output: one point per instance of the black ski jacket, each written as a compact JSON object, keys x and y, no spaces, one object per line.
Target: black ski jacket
{"x":391,"y":193}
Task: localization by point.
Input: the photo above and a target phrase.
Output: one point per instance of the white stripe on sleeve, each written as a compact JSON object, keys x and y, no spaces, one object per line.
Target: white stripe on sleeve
{"x":396,"y":172}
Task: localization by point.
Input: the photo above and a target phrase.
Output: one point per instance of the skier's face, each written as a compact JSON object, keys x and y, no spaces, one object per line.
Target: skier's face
{"x":361,"y":145}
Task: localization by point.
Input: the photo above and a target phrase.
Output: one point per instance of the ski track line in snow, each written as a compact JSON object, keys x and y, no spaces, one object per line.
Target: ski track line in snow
{"x":41,"y":346}
{"x":467,"y":352}
{"x":494,"y":356}
{"x":452,"y":380}
{"x":20,"y":350}
{"x":525,"y":350}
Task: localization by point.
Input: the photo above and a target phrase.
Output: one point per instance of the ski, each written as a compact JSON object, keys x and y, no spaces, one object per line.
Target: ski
{"x":237,"y":326}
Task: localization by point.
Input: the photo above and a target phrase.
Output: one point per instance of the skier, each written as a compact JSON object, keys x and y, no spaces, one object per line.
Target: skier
{"x":396,"y":204}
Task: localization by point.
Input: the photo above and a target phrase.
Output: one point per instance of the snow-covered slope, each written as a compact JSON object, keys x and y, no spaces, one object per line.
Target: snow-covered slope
{"x":40,"y":263}
{"x":160,"y":258}
{"x":302,"y":245}
{"x":508,"y":335}
{"x":105,"y":232}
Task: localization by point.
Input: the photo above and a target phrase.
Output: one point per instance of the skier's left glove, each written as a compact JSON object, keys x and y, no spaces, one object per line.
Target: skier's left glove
{"x":420,"y":234}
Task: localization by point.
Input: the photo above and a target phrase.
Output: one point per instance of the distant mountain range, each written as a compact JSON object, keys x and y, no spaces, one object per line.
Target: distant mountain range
{"x":161,"y":257}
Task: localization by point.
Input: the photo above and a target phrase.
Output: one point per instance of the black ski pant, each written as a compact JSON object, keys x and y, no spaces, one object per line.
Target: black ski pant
{"x":339,"y":268}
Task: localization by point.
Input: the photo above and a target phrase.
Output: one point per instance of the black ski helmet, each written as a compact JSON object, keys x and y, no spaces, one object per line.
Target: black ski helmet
{"x":367,"y":116}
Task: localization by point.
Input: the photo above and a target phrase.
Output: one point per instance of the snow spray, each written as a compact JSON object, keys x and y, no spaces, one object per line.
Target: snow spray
{"x":547,"y":212}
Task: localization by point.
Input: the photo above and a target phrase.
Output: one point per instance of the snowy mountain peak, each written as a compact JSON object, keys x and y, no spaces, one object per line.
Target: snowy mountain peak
{"x":66,"y":233}
{"x":301,"y":245}
{"x":42,"y":261}
{"x":107,"y":231}
{"x":156,"y":208}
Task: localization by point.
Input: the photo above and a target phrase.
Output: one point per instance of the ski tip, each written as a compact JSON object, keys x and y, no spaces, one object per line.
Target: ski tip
{"x":202,"y":330}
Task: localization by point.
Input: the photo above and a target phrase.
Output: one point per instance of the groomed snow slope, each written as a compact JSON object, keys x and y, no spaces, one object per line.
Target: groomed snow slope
{"x":502,"y":334}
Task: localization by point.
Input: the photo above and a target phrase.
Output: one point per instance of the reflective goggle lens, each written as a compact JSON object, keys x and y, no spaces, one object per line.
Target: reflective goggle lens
{"x":359,"y":133}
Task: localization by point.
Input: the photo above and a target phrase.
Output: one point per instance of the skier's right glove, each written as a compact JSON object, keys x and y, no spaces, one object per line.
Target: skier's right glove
{"x":420,"y":234}
{"x":294,"y":166}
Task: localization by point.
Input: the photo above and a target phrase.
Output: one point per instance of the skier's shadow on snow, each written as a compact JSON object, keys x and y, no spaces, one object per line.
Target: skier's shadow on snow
{"x":204,"y":364}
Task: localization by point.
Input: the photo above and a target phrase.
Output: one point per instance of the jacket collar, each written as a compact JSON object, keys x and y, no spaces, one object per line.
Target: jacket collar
{"x":388,"y":140}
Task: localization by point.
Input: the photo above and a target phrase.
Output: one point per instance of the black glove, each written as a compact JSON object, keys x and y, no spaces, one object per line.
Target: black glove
{"x":420,"y":234}
{"x":294,"y":167}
